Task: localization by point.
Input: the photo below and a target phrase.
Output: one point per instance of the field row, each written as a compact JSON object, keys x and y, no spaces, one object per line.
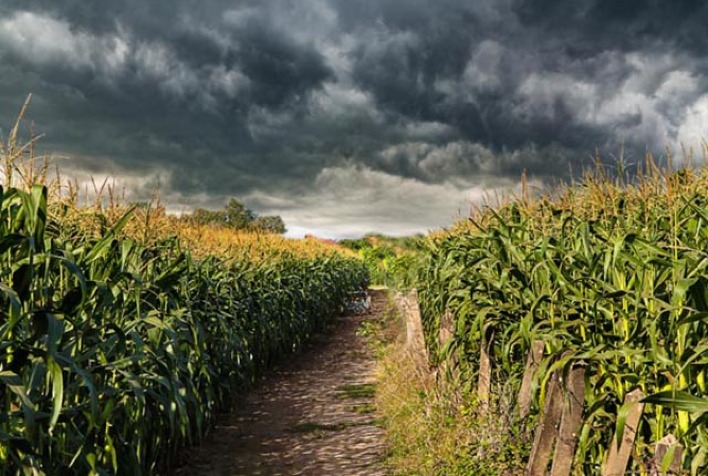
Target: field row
{"x":118,"y":345}
{"x":609,"y":275}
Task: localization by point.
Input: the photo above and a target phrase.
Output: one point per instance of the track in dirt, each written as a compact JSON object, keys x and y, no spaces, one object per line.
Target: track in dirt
{"x":312,"y":416}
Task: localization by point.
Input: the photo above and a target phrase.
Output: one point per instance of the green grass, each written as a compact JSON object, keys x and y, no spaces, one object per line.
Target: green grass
{"x":363,"y":409}
{"x":366,"y":390}
{"x":313,"y":427}
{"x":426,"y":434}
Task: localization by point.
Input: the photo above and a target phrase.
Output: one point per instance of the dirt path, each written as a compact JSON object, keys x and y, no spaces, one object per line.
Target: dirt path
{"x":312,"y":416}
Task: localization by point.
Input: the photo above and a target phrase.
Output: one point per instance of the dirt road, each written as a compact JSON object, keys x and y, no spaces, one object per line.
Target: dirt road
{"x":313,"y":415}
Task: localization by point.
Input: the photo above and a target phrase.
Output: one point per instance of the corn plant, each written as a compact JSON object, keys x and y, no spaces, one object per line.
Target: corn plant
{"x":609,"y":272}
{"x":116,"y":353}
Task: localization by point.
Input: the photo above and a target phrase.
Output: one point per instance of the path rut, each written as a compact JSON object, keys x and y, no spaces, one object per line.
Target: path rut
{"x":313,"y":415}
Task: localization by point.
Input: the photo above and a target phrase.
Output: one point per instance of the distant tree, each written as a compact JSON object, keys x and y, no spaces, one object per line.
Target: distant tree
{"x":355,"y":243}
{"x":201,"y":216}
{"x":269,"y":224}
{"x":235,"y":215}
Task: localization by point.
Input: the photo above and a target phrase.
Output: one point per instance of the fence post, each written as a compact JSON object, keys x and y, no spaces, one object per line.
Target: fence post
{"x":484,"y":382}
{"x":447,"y":330}
{"x":546,"y":432}
{"x":415,"y":340}
{"x":668,"y":448}
{"x":571,"y":421}
{"x":618,"y":457}
{"x":532,"y":362}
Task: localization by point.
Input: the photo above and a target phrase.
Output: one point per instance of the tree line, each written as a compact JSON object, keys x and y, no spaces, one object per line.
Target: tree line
{"x":237,"y":216}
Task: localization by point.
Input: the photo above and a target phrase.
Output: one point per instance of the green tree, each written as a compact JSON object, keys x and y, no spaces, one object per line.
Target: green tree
{"x":235,"y":215}
{"x":201,"y":216}
{"x":238,"y":216}
{"x":269,"y":224}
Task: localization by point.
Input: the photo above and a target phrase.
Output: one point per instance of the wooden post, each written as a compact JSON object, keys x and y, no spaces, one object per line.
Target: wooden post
{"x":571,"y":421}
{"x":532,"y":362}
{"x":546,"y":432}
{"x":669,"y":449}
{"x":447,"y":330}
{"x":415,"y":340}
{"x":618,"y":457}
{"x":484,"y":381}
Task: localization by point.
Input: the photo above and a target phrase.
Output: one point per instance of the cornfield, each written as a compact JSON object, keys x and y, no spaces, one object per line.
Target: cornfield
{"x":122,"y":332}
{"x":611,"y":272}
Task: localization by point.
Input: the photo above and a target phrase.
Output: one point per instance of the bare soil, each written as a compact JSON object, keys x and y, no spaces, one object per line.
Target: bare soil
{"x":313,"y":415}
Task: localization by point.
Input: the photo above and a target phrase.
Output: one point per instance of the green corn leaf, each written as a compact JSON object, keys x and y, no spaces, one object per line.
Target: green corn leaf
{"x":679,"y":400}
{"x":14,"y":383}
{"x":57,"y":380}
{"x":695,"y":317}
{"x":621,"y":422}
{"x":10,"y":241}
{"x":101,"y":248}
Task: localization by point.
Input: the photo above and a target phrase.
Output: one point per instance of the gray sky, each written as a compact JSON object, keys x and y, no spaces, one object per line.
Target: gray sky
{"x":347,"y":116}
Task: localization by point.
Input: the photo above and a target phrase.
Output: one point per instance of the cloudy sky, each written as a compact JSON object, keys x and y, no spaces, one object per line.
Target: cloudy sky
{"x":345,"y":116}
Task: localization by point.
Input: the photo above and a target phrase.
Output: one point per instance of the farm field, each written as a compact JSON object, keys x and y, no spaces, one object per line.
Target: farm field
{"x":607,"y":280}
{"x":126,"y":333}
{"x":123,"y":330}
{"x":200,"y":200}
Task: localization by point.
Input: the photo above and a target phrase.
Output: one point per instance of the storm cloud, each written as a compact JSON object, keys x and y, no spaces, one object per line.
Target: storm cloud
{"x":346,"y":116}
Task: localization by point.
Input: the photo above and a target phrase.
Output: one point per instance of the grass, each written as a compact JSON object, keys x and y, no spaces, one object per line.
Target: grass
{"x":313,"y":427}
{"x":362,"y":409}
{"x":426,"y":433}
{"x":319,"y":430}
{"x":352,"y":391}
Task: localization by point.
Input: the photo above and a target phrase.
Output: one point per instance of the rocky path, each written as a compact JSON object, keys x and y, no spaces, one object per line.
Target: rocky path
{"x":314,"y":415}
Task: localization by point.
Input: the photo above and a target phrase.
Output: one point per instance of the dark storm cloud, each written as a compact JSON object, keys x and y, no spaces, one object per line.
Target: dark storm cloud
{"x":276,"y":98}
{"x":504,"y":74}
{"x":626,"y":25}
{"x":157,"y":85}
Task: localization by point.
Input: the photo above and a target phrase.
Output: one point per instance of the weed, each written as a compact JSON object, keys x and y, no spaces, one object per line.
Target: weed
{"x":365,"y":390}
{"x":427,"y":434}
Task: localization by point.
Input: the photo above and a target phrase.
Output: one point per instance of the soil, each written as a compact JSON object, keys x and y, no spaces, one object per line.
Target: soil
{"x":313,"y":415}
